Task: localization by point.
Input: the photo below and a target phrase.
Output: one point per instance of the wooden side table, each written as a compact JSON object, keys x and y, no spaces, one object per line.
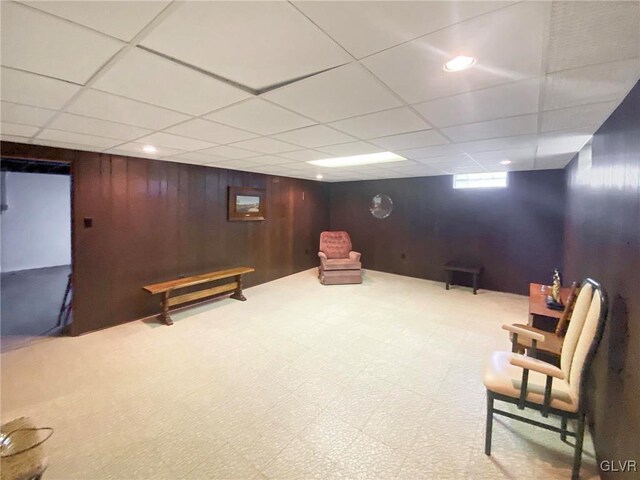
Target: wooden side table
{"x":474,"y":270}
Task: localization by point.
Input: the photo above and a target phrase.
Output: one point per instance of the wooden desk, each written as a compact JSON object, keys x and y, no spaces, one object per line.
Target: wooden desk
{"x":538,"y":310}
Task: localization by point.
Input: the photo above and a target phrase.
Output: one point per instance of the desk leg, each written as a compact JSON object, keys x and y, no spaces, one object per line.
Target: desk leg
{"x":475,"y":283}
{"x":237,"y":293}
{"x":164,"y":316}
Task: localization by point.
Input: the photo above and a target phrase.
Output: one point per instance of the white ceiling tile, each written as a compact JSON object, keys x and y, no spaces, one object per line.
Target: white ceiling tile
{"x":77,"y":138}
{"x":518,"y":155}
{"x":150,"y":78}
{"x":494,"y":144}
{"x":198,"y":157}
{"x":551,"y":162}
{"x":577,"y":117}
{"x":174,"y":142}
{"x":30,"y":89}
{"x":240,"y":163}
{"x":260,"y":116}
{"x":351,"y":148}
{"x":93,"y":103}
{"x":431,"y":152}
{"x":304,"y":155}
{"x":507,"y":44}
{"x":504,"y":127}
{"x":269,"y":160}
{"x":210,"y":131}
{"x":67,"y":145}
{"x":367,"y":27}
{"x":93,"y":126}
{"x":380,"y":124}
{"x":339,"y":93}
{"x":256,"y":44}
{"x":424,"y":138}
{"x":596,"y":83}
{"x":15,"y":113}
{"x":314,"y":136}
{"x":13,"y":138}
{"x":587,"y":33}
{"x":17,"y":129}
{"x":40,"y":43}
{"x":266,"y":145}
{"x":516,"y":98}
{"x":558,"y":143}
{"x":135,"y":149}
{"x":226,"y":151}
{"x":121,"y":19}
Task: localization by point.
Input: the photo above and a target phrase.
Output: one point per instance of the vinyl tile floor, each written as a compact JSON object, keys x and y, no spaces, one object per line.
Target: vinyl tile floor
{"x":302,"y":381}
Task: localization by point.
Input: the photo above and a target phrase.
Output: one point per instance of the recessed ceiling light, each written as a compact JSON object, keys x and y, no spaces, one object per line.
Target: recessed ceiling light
{"x":459,"y":63}
{"x":354,"y":160}
{"x":149,"y":149}
{"x":505,"y":162}
{"x":319,"y":176}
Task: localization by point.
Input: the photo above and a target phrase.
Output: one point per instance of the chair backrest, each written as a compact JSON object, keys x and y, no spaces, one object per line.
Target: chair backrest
{"x":583,"y":335}
{"x":335,"y":244}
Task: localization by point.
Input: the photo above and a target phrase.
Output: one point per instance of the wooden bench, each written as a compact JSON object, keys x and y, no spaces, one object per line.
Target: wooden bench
{"x":166,"y":288}
{"x":474,"y":270}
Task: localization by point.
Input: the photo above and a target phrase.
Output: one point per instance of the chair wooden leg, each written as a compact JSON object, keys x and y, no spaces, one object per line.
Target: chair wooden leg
{"x":577,"y":453}
{"x":489,"y":427}
{"x":563,"y":425}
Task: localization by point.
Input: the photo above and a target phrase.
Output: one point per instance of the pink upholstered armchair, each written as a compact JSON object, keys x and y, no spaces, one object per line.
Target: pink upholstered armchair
{"x":338,"y":263}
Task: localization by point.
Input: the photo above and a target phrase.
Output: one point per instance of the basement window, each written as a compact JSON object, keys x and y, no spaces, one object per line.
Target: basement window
{"x":480,"y":180}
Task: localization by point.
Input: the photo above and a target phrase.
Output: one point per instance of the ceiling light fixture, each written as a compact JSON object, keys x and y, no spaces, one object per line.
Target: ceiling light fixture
{"x":459,"y":63}
{"x":319,"y":176}
{"x":505,"y":162}
{"x":355,"y":160}
{"x":149,"y":149}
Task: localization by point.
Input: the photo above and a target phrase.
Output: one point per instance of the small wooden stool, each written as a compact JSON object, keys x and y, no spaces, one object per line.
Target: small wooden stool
{"x":475,"y":270}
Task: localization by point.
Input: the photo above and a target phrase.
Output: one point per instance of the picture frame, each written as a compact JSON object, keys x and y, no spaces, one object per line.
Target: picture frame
{"x":247,"y":204}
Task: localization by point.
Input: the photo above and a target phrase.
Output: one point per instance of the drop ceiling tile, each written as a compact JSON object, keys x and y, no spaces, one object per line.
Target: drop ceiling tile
{"x":135,"y":149}
{"x":577,"y":117}
{"x":256,"y":44}
{"x":67,"y":145}
{"x":516,"y":98}
{"x":558,"y":143}
{"x":518,"y":155}
{"x":13,"y":138}
{"x":198,"y":157}
{"x":431,"y":152}
{"x":351,"y":148}
{"x":266,"y":145}
{"x":512,"y":51}
{"x":504,"y":127}
{"x":231,"y":153}
{"x":210,"y":131}
{"x":40,"y":43}
{"x":93,"y":103}
{"x":260,"y":116}
{"x":174,"y":142}
{"x":304,"y":155}
{"x":239,"y":164}
{"x":588,"y":33}
{"x":596,"y":83}
{"x":314,"y":136}
{"x":93,"y":126}
{"x":30,"y":89}
{"x":26,"y":115}
{"x":380,"y":124}
{"x":77,"y":138}
{"x":424,"y":138}
{"x":551,"y":162}
{"x":505,"y":143}
{"x":123,"y":20}
{"x":343,"y":92}
{"x":150,"y":78}
{"x":269,"y":160}
{"x":367,"y":27}
{"x":7,"y":128}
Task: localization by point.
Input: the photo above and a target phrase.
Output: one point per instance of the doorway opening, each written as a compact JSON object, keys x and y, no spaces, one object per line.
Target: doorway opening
{"x":35,"y":261}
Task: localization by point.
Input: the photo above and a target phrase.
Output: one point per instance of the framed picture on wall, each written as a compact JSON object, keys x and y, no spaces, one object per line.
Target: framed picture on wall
{"x":247,"y":204}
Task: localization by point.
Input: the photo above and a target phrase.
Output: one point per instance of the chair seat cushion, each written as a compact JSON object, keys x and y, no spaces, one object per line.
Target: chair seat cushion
{"x":341,"y":264}
{"x":503,"y":378}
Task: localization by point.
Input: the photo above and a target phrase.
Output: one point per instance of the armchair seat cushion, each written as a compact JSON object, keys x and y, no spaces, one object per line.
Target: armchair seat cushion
{"x":503,"y":378}
{"x":341,"y":264}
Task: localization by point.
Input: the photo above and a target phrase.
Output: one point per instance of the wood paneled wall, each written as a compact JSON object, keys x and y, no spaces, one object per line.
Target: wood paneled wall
{"x":515,"y":233}
{"x":602,"y":240}
{"x":156,"y":220}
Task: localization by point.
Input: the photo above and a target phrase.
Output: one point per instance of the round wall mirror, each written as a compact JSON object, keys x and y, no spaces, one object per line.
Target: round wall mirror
{"x":381,"y":206}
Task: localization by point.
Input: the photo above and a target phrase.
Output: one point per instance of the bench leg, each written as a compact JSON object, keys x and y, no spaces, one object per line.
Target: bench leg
{"x":449,"y":278}
{"x":237,"y":293}
{"x":164,"y":316}
{"x":475,"y":283}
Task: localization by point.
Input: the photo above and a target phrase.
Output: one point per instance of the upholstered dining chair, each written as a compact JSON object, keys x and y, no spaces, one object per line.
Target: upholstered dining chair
{"x":531,"y":383}
{"x":338,"y":263}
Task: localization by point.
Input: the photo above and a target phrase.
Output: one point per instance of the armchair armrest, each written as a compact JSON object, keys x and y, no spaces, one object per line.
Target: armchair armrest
{"x":322,"y":255}
{"x":538,"y":337}
{"x":354,"y":256}
{"x":537,"y":366}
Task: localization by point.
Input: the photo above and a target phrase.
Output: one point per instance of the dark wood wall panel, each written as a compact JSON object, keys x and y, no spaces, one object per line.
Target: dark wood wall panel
{"x":602,"y":240}
{"x":516,"y":233}
{"x":156,"y":220}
